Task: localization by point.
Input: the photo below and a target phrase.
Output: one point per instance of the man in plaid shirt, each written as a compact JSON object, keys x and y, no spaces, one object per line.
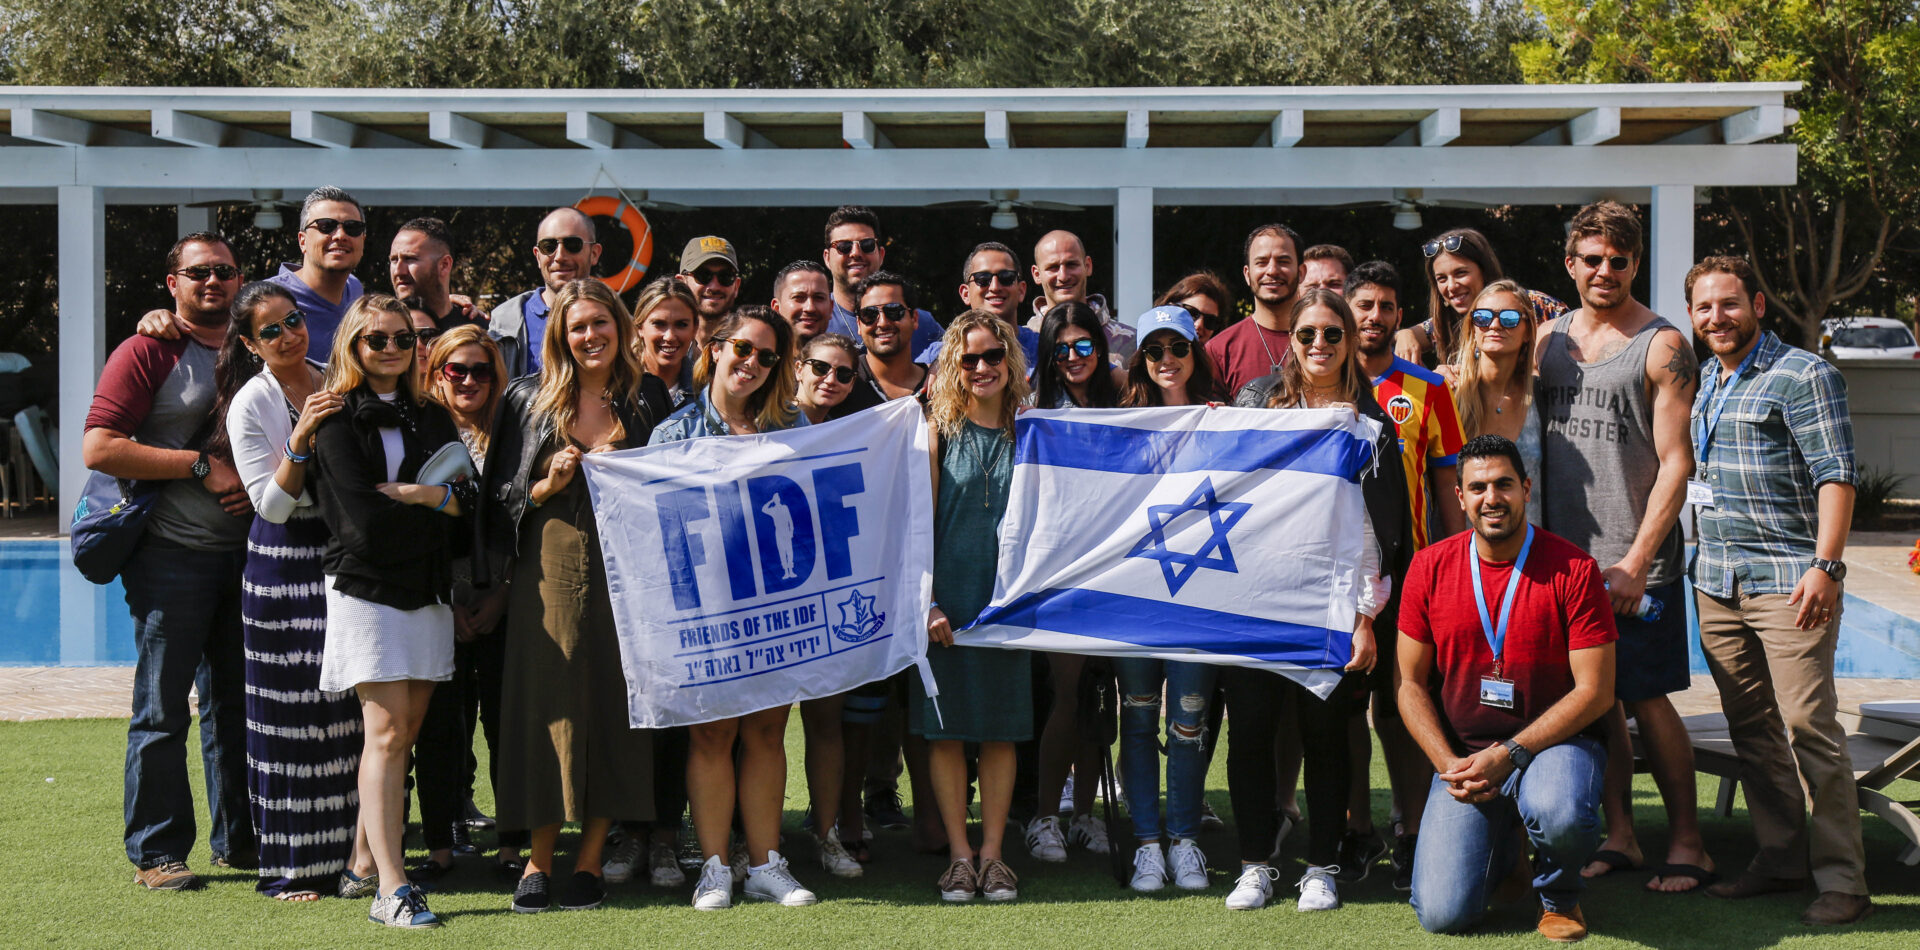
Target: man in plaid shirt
{"x":1773,"y":447}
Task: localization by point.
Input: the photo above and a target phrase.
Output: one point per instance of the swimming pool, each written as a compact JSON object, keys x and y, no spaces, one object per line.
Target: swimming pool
{"x":40,"y":591}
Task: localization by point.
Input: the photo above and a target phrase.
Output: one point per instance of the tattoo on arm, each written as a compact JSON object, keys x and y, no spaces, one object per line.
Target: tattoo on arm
{"x":1683,"y":368}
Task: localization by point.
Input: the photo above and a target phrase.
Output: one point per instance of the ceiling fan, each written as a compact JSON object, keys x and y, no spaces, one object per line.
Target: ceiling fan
{"x":266,"y":203}
{"x":1003,"y":201}
{"x":1406,"y":204}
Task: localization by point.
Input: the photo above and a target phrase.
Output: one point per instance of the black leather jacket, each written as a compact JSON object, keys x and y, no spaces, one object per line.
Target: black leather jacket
{"x":517,"y":439}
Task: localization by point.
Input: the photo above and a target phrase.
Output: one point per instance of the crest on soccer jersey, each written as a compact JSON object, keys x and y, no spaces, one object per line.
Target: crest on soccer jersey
{"x":1400,"y":409}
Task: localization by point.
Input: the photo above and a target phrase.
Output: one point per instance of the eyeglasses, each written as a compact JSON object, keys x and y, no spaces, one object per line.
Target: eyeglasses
{"x":272,"y":331}
{"x":985,"y":278}
{"x":330,"y":225}
{"x":425,"y":336}
{"x":204,"y":271}
{"x":721,"y":276}
{"x":378,"y":341}
{"x":894,"y":312}
{"x":843,"y":248}
{"x":992,"y":357}
{"x":1509,"y":319}
{"x":572,"y":242}
{"x":1332,"y":335}
{"x":745,"y":348}
{"x":461,"y":372}
{"x":1617,"y":262}
{"x":1181,"y":349}
{"x":1450,"y":245}
{"x":1082,"y":347}
{"x":821,"y":368}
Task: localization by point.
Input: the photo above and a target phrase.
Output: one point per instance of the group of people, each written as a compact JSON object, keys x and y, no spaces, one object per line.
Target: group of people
{"x":350,"y":623}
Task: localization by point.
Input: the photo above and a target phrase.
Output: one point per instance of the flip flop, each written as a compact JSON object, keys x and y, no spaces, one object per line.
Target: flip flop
{"x":1614,"y":860}
{"x":1700,"y":876}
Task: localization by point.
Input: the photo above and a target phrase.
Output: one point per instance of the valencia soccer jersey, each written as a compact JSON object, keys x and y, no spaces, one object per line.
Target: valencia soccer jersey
{"x":1420,"y":403}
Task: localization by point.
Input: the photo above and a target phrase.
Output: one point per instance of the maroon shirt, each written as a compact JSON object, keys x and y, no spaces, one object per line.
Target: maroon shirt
{"x":1245,"y":352}
{"x":1560,"y":606}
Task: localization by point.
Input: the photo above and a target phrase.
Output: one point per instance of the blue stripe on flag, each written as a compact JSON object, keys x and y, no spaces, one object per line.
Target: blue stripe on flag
{"x":1157,"y":624}
{"x":1129,"y":451}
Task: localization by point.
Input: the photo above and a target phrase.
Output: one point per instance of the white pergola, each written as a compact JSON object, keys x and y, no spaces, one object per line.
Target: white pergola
{"x":1132,"y":149}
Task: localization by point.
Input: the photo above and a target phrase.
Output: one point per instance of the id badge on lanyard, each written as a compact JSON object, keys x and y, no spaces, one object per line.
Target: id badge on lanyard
{"x":1495,"y":690}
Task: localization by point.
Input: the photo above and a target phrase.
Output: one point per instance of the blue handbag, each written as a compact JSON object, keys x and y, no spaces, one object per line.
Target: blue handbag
{"x":108,"y":524}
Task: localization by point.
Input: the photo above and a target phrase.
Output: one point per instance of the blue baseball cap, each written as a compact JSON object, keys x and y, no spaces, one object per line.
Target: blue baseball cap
{"x":1166,"y":317}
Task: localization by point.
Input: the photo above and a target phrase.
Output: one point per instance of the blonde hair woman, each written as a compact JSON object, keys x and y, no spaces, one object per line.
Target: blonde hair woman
{"x":1493,"y":375}
{"x":978,"y":385}
{"x":566,"y":751}
{"x":665,"y":319}
{"x":388,"y":568}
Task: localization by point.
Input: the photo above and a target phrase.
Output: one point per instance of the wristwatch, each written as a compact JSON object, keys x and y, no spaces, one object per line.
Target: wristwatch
{"x":1834,"y":569}
{"x":1518,"y":753}
{"x":201,"y":467}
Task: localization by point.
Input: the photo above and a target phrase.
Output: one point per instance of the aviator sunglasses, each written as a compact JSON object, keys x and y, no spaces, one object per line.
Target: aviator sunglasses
{"x":745,"y":348}
{"x":821,"y":368}
{"x":1332,"y":335}
{"x":1484,"y":318}
{"x":572,"y":242}
{"x":272,"y":331}
{"x":1451,"y":245}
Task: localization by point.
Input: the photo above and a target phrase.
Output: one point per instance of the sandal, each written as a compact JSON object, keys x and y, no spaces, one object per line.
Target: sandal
{"x":1701,"y":877}
{"x":297,"y":897}
{"x":1614,"y":860}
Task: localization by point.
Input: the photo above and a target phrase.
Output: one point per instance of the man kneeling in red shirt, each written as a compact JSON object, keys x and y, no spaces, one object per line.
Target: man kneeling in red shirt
{"x":1506,"y":667}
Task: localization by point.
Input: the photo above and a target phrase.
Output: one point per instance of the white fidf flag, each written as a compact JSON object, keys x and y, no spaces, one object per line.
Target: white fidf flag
{"x":754,"y":571}
{"x":1217,"y":535}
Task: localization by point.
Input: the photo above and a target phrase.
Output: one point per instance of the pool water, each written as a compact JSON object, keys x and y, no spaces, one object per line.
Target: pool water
{"x":40,"y":590}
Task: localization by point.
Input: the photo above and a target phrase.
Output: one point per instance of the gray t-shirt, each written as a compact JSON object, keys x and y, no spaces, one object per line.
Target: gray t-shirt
{"x":1598,"y":460}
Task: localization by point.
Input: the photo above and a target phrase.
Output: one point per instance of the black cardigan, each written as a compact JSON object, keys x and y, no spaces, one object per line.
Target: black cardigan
{"x":382,"y":550}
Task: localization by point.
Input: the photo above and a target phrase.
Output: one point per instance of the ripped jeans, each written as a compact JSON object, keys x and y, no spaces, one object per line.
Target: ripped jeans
{"x":1189,"y":689}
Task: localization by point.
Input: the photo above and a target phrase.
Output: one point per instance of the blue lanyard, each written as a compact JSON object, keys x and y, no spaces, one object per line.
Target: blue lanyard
{"x":1718,"y":404}
{"x":1497,"y":635}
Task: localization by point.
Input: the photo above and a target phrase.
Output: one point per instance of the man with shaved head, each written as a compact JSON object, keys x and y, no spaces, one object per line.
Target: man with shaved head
{"x":566,"y":247}
{"x":1061,"y":269}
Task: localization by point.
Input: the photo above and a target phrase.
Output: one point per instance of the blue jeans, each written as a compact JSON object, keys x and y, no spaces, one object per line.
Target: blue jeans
{"x":1189,"y":690}
{"x":1466,"y":850}
{"x":186,"y":627}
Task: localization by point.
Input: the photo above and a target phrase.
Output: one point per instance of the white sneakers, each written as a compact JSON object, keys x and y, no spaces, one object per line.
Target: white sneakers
{"x":1066,"y":796}
{"x":1189,"y":865}
{"x":1090,"y":833}
{"x":773,"y":882}
{"x":715,"y":890}
{"x":1149,"y":869}
{"x":1044,"y":840}
{"x":1253,"y":888}
{"x":834,"y":858}
{"x":626,"y":856}
{"x":1318,"y":891}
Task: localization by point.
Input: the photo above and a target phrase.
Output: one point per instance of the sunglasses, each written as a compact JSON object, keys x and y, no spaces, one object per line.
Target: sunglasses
{"x":426,"y":336}
{"x":1450,"y":245}
{"x":724,"y":278}
{"x":985,"y":278}
{"x":894,"y":312}
{"x":1509,"y":319}
{"x":1617,"y":262}
{"x":461,"y":372}
{"x":330,"y":225}
{"x":1332,"y":335}
{"x":992,"y":357}
{"x":821,"y":368}
{"x":572,"y":242}
{"x":377,"y":341}
{"x":745,"y":348}
{"x":843,"y":248}
{"x":1181,"y":349}
{"x":272,"y":331}
{"x":204,"y":271}
{"x":1082,"y":347}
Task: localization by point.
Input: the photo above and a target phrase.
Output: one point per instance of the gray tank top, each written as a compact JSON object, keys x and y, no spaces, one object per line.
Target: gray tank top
{"x":1598,"y":458}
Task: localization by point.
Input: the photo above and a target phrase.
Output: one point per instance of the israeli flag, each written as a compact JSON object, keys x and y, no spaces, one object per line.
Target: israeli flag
{"x":1219,"y":535}
{"x":752,"y":571}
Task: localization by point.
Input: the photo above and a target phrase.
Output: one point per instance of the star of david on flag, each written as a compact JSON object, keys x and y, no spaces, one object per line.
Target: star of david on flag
{"x":1214,"y":553}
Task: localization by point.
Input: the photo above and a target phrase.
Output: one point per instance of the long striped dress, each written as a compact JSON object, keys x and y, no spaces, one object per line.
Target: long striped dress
{"x":303,"y":745}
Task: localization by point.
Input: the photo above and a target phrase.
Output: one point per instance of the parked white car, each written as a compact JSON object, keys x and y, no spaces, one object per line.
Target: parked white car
{"x":1867,"y":338}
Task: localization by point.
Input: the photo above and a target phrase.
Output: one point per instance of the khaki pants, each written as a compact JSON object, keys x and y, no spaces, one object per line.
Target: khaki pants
{"x":1776,"y":686}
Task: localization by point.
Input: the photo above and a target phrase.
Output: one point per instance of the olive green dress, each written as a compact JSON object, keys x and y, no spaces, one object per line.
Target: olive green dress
{"x":986,"y":693}
{"x":567,"y":753}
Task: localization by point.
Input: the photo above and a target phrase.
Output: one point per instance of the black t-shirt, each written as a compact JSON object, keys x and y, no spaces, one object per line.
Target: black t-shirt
{"x":866,"y":393}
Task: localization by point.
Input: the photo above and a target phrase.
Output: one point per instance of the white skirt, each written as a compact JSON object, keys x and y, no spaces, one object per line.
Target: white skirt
{"x":374,"y":643}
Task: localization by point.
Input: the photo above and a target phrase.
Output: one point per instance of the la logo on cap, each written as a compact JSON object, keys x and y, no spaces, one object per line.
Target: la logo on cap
{"x":713,"y":245}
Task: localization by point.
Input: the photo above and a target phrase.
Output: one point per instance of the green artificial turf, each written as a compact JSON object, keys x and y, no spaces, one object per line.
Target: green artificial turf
{"x":60,"y":833}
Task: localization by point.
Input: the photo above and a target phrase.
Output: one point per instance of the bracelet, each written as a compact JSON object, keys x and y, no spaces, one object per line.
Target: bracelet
{"x":442,"y":506}
{"x":291,"y":456}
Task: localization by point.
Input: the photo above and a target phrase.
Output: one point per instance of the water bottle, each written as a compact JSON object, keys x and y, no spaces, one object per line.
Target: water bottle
{"x":1648,"y":609}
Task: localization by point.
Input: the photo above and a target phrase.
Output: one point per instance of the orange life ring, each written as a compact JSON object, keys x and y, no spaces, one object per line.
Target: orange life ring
{"x":630,"y":218}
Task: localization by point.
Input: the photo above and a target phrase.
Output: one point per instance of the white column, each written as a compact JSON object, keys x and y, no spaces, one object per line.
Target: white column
{"x":83,"y":331}
{"x":193,"y":219}
{"x":1132,"y":265}
{"x":1670,"y":254}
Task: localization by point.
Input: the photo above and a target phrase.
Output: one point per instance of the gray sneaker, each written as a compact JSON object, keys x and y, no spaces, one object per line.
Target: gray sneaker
{"x":352,"y":887}
{"x":405,"y":908}
{"x":624,"y":860}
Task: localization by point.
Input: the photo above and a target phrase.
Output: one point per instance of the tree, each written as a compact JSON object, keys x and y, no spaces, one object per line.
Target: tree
{"x":1823,"y":240}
